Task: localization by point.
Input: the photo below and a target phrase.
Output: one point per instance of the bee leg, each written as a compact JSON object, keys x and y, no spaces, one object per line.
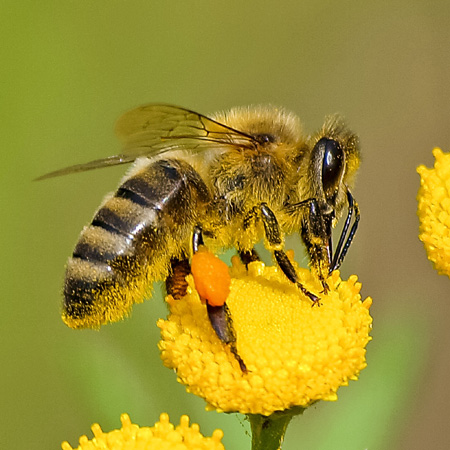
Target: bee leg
{"x":248,"y":257}
{"x":219,"y":316}
{"x":273,"y":235}
{"x":176,"y":284}
{"x":222,"y":323}
{"x":197,"y":238}
{"x":289,"y":270}
{"x":316,"y":235}
{"x":250,"y":218}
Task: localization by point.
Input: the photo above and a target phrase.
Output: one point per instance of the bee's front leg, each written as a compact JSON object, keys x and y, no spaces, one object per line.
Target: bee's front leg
{"x":316,"y":234}
{"x":273,"y":236}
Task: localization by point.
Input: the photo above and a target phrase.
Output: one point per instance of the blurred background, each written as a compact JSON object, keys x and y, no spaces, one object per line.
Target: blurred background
{"x":70,"y":69}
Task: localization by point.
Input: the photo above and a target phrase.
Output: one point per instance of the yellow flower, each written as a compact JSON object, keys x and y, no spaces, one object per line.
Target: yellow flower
{"x":163,"y":436}
{"x":295,"y":354}
{"x":434,"y":211}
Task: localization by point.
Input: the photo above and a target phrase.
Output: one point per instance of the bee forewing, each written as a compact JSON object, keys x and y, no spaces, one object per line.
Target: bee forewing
{"x":154,"y":129}
{"x":97,"y":164}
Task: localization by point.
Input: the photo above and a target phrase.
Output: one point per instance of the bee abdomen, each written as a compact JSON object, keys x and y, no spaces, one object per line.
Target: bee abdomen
{"x":101,"y":243}
{"x":130,"y":242}
{"x":84,"y":281}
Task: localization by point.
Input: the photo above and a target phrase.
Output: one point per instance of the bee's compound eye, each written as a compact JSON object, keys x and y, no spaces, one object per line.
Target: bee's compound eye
{"x":332,"y":167}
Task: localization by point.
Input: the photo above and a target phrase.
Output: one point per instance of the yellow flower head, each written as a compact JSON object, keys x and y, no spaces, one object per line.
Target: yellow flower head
{"x":162,"y":436}
{"x":434,"y":211}
{"x":295,"y":354}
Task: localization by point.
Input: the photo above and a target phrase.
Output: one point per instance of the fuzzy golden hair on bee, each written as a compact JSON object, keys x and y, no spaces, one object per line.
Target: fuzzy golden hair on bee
{"x":225,"y":181}
{"x":275,"y":125}
{"x":278,"y":141}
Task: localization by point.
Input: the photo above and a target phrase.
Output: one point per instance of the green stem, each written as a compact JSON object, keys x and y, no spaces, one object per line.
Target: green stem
{"x":268,"y":431}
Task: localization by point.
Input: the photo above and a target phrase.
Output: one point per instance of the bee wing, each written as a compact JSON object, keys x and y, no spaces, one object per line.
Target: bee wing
{"x":154,"y":129}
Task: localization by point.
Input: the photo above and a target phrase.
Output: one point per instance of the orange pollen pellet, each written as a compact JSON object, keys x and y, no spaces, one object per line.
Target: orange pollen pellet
{"x":211,"y":276}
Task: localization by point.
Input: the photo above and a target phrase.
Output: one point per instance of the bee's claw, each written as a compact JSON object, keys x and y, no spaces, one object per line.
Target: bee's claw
{"x":325,"y":286}
{"x":242,"y":365}
{"x":314,"y":298}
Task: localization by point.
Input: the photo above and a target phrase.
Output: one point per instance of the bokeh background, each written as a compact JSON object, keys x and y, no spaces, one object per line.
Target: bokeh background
{"x":69,"y":69}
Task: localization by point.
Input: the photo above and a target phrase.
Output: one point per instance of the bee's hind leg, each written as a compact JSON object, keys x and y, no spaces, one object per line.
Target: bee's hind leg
{"x":219,"y":316}
{"x":176,"y":284}
{"x":222,"y":323}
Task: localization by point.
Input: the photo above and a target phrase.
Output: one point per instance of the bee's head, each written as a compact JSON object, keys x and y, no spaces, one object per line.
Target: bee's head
{"x":333,"y":164}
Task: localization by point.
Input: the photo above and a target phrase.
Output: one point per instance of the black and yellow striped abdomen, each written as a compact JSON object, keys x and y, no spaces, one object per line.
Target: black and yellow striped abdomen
{"x":130,"y":242}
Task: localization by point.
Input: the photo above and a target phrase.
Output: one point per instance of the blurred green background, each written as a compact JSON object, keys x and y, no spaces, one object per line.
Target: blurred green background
{"x":70,"y":69}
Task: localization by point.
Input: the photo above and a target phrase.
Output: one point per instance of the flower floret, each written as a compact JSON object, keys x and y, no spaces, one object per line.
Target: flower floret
{"x":434,"y":211}
{"x":162,"y":436}
{"x":295,"y":354}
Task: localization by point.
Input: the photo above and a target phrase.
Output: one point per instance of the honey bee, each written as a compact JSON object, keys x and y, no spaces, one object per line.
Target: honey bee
{"x":229,"y":180}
